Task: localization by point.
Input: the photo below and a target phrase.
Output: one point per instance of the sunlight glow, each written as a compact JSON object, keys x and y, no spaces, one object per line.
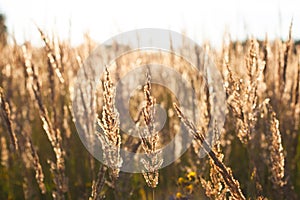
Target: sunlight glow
{"x":201,"y":20}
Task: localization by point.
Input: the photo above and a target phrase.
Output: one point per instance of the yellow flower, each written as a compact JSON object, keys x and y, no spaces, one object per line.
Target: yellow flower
{"x":191,"y":176}
{"x":189,"y":188}
{"x":178,"y":195}
{"x":180,"y":181}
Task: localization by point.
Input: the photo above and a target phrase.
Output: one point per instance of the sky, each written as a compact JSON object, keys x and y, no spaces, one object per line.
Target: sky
{"x":200,"y":20}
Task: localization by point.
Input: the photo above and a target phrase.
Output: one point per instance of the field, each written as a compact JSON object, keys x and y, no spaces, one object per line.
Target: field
{"x":256,"y":155}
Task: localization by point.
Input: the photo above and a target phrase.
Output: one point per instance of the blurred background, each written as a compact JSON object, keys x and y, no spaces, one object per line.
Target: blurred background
{"x":200,"y":20}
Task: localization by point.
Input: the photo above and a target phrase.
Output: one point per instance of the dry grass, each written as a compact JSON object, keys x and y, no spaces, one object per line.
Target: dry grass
{"x":256,"y":156}
{"x":109,"y":123}
{"x":149,"y":138}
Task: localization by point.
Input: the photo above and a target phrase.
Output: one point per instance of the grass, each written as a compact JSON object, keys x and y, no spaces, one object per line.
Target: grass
{"x":255,"y":157}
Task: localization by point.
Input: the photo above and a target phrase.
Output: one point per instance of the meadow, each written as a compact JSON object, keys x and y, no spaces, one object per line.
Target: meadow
{"x":256,"y":156}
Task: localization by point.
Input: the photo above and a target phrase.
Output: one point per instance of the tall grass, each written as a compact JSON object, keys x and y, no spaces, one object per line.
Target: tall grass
{"x":256,"y":156}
